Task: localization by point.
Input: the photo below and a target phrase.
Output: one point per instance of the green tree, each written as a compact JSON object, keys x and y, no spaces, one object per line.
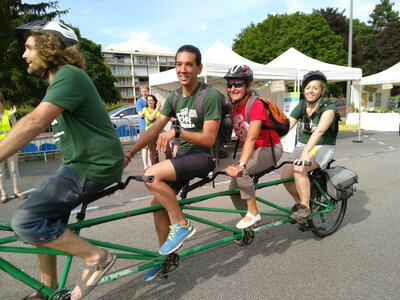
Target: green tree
{"x":336,"y":21}
{"x":339,"y":24}
{"x":385,"y":49}
{"x":364,"y":36}
{"x":15,"y":84}
{"x":309,"y":34}
{"x":382,"y":15}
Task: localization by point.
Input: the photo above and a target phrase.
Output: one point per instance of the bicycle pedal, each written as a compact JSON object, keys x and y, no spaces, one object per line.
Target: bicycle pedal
{"x":164,"y":276}
{"x":305,"y":227}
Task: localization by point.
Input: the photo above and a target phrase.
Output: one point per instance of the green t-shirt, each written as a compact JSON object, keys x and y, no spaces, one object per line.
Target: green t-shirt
{"x":83,"y":131}
{"x":328,"y":137}
{"x":187,"y":116}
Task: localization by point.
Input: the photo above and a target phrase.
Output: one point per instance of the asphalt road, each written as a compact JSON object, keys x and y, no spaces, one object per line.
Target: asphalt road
{"x":360,"y":261}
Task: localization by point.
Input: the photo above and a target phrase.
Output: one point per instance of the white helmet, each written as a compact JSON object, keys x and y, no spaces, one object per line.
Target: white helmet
{"x":66,"y":34}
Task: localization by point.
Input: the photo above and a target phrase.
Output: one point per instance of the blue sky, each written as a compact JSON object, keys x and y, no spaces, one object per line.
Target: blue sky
{"x":163,"y":26}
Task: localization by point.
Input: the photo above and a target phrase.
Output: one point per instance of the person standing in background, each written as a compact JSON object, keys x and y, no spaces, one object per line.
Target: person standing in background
{"x":7,"y":119}
{"x":174,"y":144}
{"x":398,"y":106}
{"x":151,"y":112}
{"x":140,"y":104}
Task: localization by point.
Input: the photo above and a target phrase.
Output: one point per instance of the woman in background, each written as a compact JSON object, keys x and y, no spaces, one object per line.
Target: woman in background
{"x":150,"y":113}
{"x":7,"y":119}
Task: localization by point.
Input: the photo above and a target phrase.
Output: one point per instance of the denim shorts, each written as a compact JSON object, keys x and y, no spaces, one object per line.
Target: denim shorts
{"x":44,"y":215}
{"x":189,"y":165}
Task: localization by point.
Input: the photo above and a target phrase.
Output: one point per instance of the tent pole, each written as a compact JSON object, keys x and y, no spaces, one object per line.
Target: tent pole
{"x":359,"y":112}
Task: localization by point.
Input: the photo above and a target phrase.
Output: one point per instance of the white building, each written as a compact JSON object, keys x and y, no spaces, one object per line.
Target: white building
{"x":132,"y":68}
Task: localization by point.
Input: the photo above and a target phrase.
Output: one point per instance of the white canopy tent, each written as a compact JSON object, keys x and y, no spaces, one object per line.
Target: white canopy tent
{"x":390,"y":75}
{"x":376,"y":96}
{"x":298,"y":64}
{"x":381,"y":84}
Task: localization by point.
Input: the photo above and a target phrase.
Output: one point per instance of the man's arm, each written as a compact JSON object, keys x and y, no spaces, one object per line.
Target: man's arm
{"x":147,"y":136}
{"x":205,"y":139}
{"x":28,"y":128}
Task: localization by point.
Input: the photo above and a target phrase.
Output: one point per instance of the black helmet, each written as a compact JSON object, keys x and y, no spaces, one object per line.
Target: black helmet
{"x":240,"y":72}
{"x":312,"y":75}
{"x":66,"y":34}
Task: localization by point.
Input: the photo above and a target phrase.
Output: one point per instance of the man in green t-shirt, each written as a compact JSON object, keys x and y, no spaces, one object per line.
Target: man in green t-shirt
{"x":92,"y":155}
{"x":193,"y":159}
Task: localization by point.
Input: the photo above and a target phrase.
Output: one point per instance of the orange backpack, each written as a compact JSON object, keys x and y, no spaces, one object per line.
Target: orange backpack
{"x":280,"y":123}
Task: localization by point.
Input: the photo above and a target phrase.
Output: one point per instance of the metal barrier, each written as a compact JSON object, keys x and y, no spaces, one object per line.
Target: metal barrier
{"x":126,"y":132}
{"x":44,"y":143}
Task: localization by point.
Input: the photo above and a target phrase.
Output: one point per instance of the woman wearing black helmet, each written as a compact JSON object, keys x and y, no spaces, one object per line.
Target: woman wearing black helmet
{"x":316,"y":142}
{"x":257,"y":153}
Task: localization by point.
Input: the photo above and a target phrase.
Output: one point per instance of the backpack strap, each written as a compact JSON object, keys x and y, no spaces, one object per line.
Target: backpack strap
{"x":175,"y":99}
{"x":303,"y":110}
{"x":201,"y":93}
{"x":319,"y":114}
{"x":249,"y":104}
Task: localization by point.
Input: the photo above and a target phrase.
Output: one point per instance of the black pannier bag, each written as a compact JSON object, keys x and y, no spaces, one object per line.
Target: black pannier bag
{"x":340,"y":182}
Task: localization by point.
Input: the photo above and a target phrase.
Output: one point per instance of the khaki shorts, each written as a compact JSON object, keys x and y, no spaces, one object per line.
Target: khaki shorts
{"x":260,"y":160}
{"x":323,"y":153}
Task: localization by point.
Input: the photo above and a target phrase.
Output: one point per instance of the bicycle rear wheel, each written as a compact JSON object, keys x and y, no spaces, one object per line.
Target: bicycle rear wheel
{"x":327,"y":223}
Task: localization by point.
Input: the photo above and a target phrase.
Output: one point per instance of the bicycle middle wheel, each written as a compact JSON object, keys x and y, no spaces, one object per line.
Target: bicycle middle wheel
{"x":327,"y":223}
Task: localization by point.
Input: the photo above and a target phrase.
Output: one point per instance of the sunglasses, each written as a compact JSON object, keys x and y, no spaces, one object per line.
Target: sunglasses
{"x":236,"y":84}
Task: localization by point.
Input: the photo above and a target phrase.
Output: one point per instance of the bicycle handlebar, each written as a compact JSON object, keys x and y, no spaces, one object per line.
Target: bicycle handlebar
{"x":306,"y":163}
{"x":140,"y":178}
{"x":240,"y":174}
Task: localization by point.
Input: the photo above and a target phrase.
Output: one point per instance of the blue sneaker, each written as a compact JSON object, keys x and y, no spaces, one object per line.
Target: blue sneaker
{"x":151,"y":273}
{"x":177,"y":235}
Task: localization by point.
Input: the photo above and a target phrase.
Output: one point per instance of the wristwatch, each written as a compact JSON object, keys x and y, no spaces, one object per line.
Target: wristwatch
{"x":242,"y":164}
{"x":177,"y":129}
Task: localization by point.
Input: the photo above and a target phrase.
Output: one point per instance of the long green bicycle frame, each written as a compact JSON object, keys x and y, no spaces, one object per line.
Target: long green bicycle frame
{"x":149,"y":258}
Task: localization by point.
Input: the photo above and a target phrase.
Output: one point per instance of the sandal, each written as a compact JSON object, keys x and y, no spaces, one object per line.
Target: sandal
{"x":20,"y":196}
{"x":3,"y":199}
{"x":301,"y":214}
{"x":103,"y":265}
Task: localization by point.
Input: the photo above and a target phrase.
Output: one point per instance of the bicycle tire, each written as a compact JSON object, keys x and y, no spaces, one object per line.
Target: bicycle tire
{"x":328,"y":223}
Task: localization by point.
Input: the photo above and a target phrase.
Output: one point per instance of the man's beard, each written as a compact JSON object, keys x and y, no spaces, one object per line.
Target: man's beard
{"x":36,"y":70}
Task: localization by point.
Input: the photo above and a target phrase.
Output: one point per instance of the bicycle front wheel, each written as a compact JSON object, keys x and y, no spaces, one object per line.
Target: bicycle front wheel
{"x":327,"y":223}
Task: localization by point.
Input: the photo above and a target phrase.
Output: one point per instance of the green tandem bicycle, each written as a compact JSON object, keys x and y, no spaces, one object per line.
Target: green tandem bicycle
{"x":327,"y":214}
